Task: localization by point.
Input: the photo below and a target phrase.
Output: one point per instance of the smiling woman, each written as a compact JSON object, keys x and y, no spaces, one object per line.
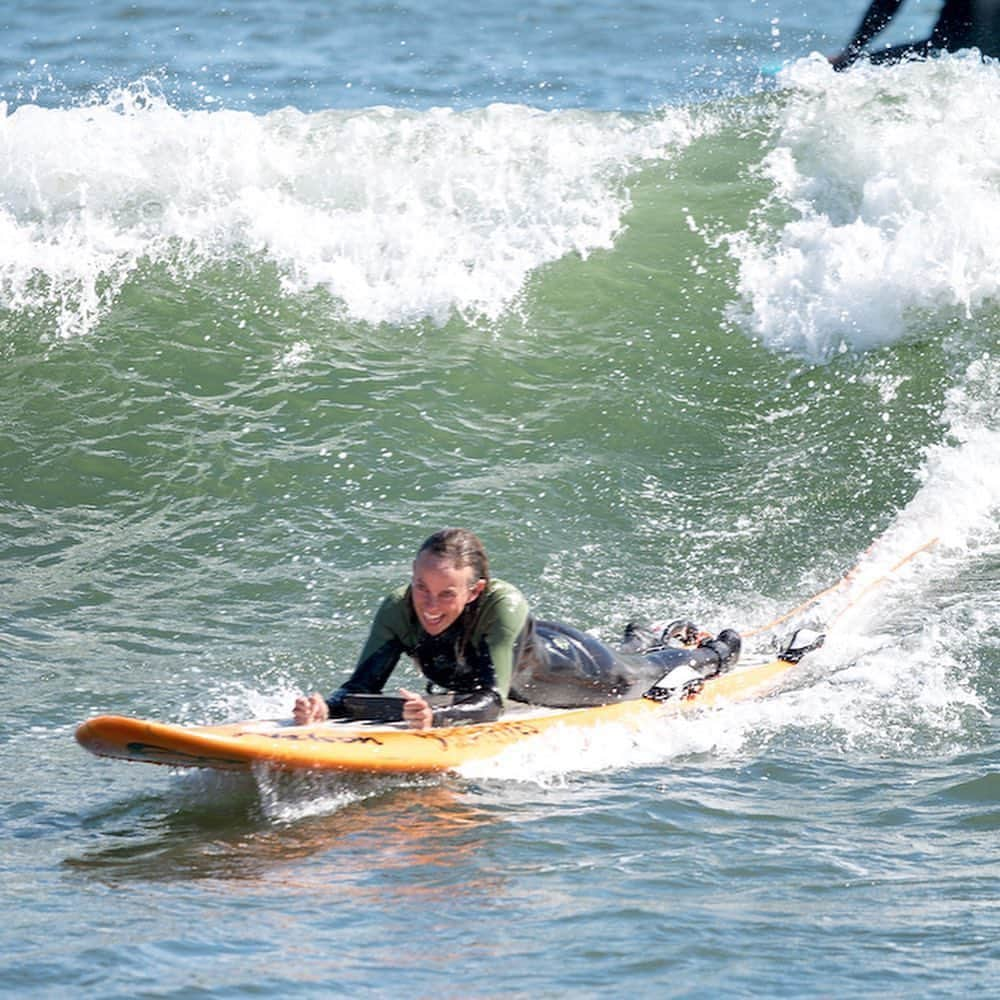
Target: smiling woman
{"x":460,"y":626}
{"x":477,"y":644}
{"x":450,"y":572}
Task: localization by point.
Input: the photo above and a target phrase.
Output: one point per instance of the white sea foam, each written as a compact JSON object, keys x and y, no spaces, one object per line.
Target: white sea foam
{"x":898,"y":671}
{"x":905,"y":633}
{"x":890,"y":178}
{"x":550,"y":757}
{"x":400,"y":215}
{"x":957,"y":505}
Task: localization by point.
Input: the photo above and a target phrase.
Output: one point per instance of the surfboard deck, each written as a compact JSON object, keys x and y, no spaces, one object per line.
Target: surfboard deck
{"x":353,"y":746}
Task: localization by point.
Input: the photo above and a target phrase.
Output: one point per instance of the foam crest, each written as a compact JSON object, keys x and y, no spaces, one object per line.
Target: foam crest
{"x":889,"y":176}
{"x":959,"y":497}
{"x":550,"y":757}
{"x":401,"y":215}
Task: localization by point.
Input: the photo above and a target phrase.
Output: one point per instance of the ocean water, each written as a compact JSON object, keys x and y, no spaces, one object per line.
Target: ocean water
{"x":285,"y":288}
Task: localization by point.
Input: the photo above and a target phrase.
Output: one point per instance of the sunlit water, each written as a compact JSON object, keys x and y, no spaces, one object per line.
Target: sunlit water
{"x":280,"y":294}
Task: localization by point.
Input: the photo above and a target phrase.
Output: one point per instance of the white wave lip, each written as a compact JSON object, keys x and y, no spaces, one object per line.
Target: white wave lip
{"x":958,"y":501}
{"x":892,"y":176}
{"x":401,"y":215}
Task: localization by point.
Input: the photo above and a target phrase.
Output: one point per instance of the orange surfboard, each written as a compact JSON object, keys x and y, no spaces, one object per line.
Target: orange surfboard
{"x":390,"y":748}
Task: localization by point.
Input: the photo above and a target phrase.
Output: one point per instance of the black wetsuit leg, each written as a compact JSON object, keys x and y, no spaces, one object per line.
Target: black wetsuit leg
{"x":562,"y":667}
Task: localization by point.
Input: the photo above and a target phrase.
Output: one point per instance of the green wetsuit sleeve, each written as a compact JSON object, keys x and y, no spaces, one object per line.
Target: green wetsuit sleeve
{"x":503,"y":621}
{"x":387,"y":641}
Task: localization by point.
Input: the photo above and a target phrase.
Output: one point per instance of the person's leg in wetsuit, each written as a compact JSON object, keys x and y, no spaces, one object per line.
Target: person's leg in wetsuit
{"x":562,"y":667}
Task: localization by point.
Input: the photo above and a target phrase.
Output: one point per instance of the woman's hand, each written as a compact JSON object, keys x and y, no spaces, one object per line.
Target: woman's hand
{"x":417,"y":713}
{"x":309,"y":709}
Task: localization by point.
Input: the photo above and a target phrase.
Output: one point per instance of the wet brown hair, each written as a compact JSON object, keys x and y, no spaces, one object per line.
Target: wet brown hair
{"x":461,"y":548}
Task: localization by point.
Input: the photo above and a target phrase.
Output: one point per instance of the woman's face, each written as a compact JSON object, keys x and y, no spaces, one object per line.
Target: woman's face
{"x":441,"y":591}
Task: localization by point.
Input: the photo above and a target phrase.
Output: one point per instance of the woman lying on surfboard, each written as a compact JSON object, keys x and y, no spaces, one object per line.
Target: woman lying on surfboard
{"x":477,"y":644}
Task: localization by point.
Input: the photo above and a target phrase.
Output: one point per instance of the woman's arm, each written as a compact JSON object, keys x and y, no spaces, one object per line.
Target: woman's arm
{"x":505,"y":619}
{"x":378,"y":658}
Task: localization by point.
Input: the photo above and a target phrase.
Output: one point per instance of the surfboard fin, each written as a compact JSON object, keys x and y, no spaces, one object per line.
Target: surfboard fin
{"x":800,"y":642}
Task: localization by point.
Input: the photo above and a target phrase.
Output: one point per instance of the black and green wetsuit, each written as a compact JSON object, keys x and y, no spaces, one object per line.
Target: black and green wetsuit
{"x":473,"y":659}
{"x":497,"y":651}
